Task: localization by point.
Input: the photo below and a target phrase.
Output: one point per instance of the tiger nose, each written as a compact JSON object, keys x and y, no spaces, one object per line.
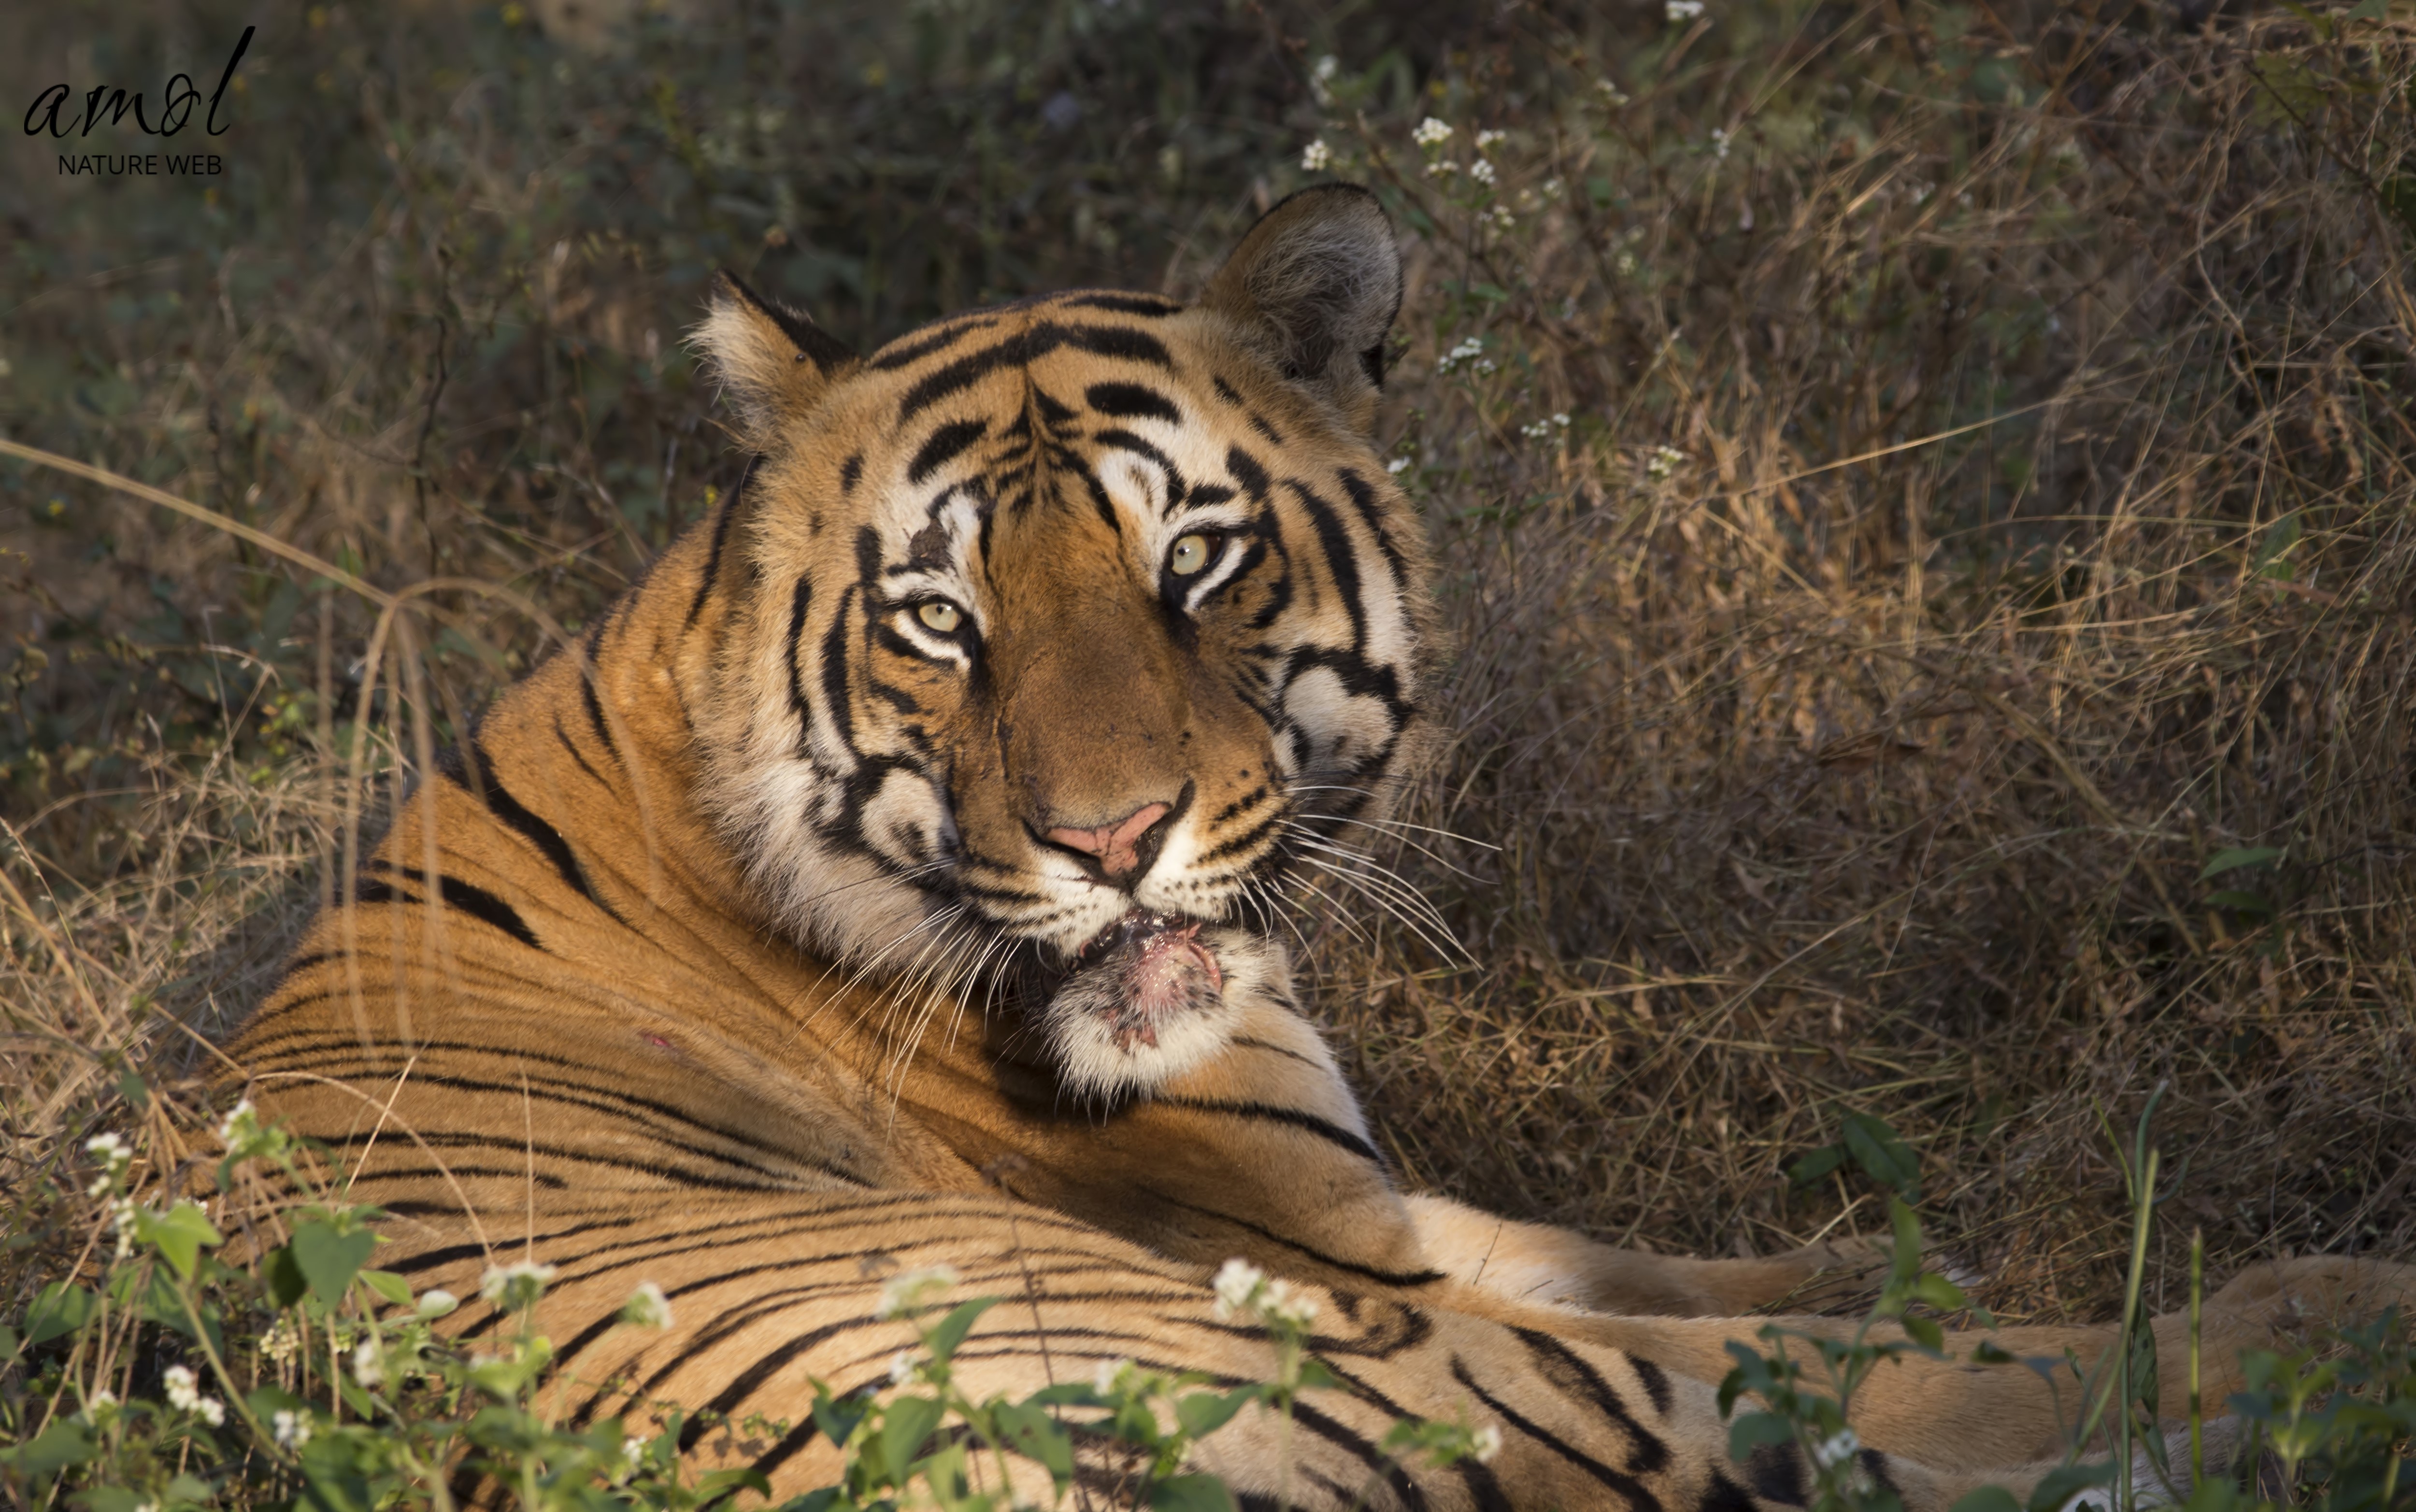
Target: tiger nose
{"x":1117,"y":847}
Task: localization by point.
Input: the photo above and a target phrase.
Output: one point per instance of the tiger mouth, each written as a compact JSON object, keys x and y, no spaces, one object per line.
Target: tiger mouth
{"x":1140,"y":972}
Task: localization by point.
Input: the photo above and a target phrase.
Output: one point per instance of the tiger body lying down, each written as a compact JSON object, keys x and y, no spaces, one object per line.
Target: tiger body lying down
{"x":891,"y":878}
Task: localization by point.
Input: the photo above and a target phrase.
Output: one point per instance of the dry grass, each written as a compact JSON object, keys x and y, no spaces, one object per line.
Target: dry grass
{"x":2043,"y":523}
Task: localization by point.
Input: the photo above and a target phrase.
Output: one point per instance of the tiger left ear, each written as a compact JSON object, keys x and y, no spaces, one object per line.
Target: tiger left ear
{"x":1314,"y":286}
{"x":774,"y":362}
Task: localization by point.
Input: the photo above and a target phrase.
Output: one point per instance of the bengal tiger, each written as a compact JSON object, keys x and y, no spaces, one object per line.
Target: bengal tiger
{"x":892,"y":878}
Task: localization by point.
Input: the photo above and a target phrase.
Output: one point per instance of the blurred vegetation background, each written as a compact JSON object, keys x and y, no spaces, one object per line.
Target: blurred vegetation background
{"x":1927,"y":493}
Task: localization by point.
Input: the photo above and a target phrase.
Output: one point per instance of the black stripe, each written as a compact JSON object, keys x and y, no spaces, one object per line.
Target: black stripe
{"x":501,"y":803}
{"x":1332,"y":1133}
{"x":1570,"y":1373}
{"x":1131,"y":402}
{"x":720,"y":538}
{"x":564,"y":735}
{"x":943,"y":446}
{"x":799,"y":705}
{"x":1341,"y":557}
{"x":468,"y":897}
{"x":1382,"y":1278}
{"x":835,"y":703}
{"x":1025,"y":347}
{"x":1127,"y":303}
{"x":1625,"y":1485}
{"x":1655,"y":1382}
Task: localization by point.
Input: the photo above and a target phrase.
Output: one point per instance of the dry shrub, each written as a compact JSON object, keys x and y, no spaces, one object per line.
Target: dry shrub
{"x":1986,"y":500}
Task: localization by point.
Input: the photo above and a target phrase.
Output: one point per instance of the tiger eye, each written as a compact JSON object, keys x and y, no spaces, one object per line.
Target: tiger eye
{"x":1189,"y":555}
{"x":940,"y":615}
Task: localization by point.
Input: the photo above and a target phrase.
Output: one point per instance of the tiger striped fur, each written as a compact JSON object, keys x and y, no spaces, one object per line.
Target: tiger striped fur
{"x":893,"y":878}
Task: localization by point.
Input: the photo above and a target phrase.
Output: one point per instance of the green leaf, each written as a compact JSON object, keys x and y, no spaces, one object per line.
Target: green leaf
{"x":285,"y":1283}
{"x":950,"y":1331}
{"x":1882,"y":1156}
{"x":2055,"y":1487}
{"x":2240,"y":901}
{"x":179,"y":1234}
{"x":1031,"y":1432}
{"x":2233,"y":859}
{"x":1755,"y":1429}
{"x":1204,"y":1412}
{"x":1811,"y":1168}
{"x":904,"y":1431}
{"x":60,"y":1308}
{"x":1987,"y":1499}
{"x":1926,"y":1333}
{"x":1905,"y":1253}
{"x":64,"y":1443}
{"x":713,"y":1486}
{"x":2369,"y":10}
{"x":388,"y":1285}
{"x":1985,"y":1353}
{"x":1191,"y":1493}
{"x":329,"y":1260}
{"x":2144,"y":1386}
{"x":1939,"y":1293}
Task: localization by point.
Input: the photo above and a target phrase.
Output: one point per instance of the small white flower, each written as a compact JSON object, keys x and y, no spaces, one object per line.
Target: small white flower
{"x":908,"y":1292}
{"x":281,"y":1343}
{"x":1485,"y":1443}
{"x":292,"y":1428}
{"x":1472,"y":346}
{"x":1398,"y":466}
{"x":513,"y":1287}
{"x":1326,"y":66}
{"x":1720,"y":143}
{"x":647,"y":1308}
{"x":1500,"y":217}
{"x":184,"y":1391}
{"x":212,"y":1411}
{"x":1663,"y":464}
{"x":368,"y":1365}
{"x":1560,"y":419}
{"x":1109,"y":1372}
{"x":1627,"y":263}
{"x":1486,"y":365}
{"x":1481,"y":171}
{"x":1678,"y":10}
{"x":1612,"y":94}
{"x":1442,"y":168}
{"x":633,"y":1448}
{"x":101,"y":1406}
{"x":1553,"y":189}
{"x":1237,"y":1286}
{"x":436,"y":1302}
{"x":901,"y":1367}
{"x":1316,"y":157}
{"x":1484,"y":140}
{"x":1431,"y":133}
{"x":121,"y":1219}
{"x":1836,"y":1451}
{"x":112,"y":1152}
{"x":1320,"y":79}
{"x":1281,"y":1304}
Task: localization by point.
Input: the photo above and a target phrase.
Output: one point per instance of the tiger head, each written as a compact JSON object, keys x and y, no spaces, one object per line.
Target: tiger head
{"x":1066,"y":630}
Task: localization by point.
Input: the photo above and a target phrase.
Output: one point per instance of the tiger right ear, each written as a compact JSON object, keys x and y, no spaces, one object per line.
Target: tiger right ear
{"x":774,"y":363}
{"x":1314,"y":286}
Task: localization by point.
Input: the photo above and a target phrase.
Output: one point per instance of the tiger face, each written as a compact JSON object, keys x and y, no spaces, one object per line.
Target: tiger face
{"x":1071,"y":625}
